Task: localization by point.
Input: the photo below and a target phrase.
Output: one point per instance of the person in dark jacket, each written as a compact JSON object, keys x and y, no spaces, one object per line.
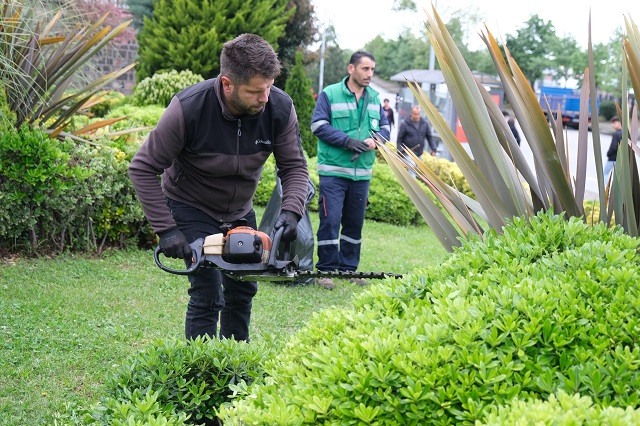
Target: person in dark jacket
{"x":413,"y":132}
{"x":512,"y":125}
{"x":209,"y":147}
{"x":389,"y":113}
{"x":612,"y":152}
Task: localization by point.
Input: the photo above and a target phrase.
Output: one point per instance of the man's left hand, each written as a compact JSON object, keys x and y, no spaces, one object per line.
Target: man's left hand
{"x":289,"y":221}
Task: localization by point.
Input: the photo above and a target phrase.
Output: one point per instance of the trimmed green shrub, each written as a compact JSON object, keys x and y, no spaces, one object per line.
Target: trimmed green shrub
{"x":56,"y":195}
{"x":549,"y":305}
{"x":137,"y":116}
{"x":267,"y":183}
{"x":7,"y":117}
{"x":388,"y":202}
{"x":608,"y":109}
{"x":109,"y":99}
{"x":179,"y":379}
{"x":563,"y":410}
{"x":449,"y":173}
{"x":163,"y":86}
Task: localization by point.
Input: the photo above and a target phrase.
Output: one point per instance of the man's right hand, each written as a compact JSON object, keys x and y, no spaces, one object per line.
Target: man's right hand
{"x":357,"y":146}
{"x":173,"y":243}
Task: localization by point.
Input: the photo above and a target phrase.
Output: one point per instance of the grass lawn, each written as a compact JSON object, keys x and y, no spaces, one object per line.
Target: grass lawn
{"x":66,"y":322}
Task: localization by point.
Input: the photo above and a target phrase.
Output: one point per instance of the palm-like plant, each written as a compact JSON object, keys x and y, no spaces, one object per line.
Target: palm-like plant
{"x":504,"y":184}
{"x":38,"y":67}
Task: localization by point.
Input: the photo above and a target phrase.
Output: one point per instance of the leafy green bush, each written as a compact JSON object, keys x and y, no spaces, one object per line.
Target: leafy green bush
{"x":147,"y":115}
{"x":550,"y":305}
{"x":58,"y":195}
{"x":267,"y":183}
{"x":173,"y":378}
{"x":449,"y":172}
{"x":388,"y":202}
{"x":109,"y":99}
{"x":161,"y":87}
{"x":7,"y":117}
{"x":563,"y":410}
{"x":139,"y":408}
{"x":608,"y":109}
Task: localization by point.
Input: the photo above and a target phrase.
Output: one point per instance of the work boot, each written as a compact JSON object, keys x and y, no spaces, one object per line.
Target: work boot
{"x":359,"y":281}
{"x":326,"y":283}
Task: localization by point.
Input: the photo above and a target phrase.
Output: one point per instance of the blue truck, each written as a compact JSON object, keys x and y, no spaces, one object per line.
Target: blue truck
{"x":568,"y":100}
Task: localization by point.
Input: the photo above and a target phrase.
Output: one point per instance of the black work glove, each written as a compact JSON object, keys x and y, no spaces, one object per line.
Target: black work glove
{"x":357,"y":146}
{"x":288,"y":220}
{"x":174,"y":244}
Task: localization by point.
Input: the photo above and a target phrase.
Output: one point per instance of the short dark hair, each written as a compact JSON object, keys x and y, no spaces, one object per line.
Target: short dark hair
{"x":614,"y":118}
{"x":385,"y":100}
{"x":357,"y":57}
{"x":247,"y":56}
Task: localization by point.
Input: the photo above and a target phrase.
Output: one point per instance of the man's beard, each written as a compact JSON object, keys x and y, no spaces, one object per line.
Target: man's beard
{"x":241,"y":107}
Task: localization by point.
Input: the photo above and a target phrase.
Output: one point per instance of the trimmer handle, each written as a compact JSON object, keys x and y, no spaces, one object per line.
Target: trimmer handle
{"x":196,"y":259}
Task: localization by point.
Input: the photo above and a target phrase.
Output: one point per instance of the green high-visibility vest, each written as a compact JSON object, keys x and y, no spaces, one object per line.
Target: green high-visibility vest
{"x":358,"y":121}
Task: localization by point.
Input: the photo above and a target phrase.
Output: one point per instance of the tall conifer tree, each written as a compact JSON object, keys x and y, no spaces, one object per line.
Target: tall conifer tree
{"x":299,"y":88}
{"x":189,"y":34}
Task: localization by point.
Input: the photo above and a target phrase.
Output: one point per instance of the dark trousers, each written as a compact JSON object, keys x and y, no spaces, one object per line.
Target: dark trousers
{"x":342,"y":203}
{"x":213,"y":295}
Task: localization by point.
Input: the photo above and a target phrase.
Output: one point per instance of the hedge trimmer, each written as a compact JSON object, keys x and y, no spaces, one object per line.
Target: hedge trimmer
{"x":249,"y":255}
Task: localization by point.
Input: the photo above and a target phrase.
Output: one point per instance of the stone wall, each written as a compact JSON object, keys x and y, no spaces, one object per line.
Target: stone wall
{"x":114,"y":57}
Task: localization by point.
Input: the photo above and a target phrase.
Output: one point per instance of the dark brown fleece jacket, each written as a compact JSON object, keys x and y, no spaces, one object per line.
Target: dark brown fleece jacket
{"x":213,"y":161}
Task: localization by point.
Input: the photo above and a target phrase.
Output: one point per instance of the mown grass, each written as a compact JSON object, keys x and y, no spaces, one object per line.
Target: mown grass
{"x":66,"y":322}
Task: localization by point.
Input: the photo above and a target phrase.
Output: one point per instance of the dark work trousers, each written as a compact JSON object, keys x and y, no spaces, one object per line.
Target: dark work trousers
{"x":213,"y":294}
{"x":342,"y":202}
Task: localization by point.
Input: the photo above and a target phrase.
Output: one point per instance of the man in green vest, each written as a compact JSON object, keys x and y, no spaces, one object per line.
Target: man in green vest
{"x":347,"y":117}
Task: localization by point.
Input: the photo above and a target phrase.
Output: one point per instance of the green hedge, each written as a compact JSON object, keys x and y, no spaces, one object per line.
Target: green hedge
{"x":160,"y":88}
{"x":563,"y":410}
{"x":548,"y":306}
{"x":66,"y":196}
{"x":172,"y":382}
{"x":61,"y":196}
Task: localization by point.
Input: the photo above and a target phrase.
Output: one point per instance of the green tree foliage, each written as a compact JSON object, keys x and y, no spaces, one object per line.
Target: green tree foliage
{"x":298,"y":33}
{"x":607,"y":59}
{"x":531,"y":47}
{"x":140,"y":9}
{"x":335,"y":62}
{"x":299,"y":88}
{"x":569,"y":60}
{"x":394,"y":56}
{"x":189,"y":34}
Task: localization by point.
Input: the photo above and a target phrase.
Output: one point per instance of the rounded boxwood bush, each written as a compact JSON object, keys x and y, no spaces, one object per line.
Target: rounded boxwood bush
{"x":162,"y":86}
{"x":550,"y":305}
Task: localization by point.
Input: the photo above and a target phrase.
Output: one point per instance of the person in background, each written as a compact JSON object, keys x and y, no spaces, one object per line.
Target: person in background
{"x":612,"y":152}
{"x":209,"y":147}
{"x":512,"y":125}
{"x":389,"y":112}
{"x":412,"y":134}
{"x":346,"y":118}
